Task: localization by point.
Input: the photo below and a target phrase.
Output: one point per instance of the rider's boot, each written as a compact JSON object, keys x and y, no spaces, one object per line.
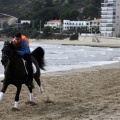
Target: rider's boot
{"x":30,"y":78}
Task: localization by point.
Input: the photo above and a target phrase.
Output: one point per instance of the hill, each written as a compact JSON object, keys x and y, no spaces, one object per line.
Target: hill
{"x":51,"y":9}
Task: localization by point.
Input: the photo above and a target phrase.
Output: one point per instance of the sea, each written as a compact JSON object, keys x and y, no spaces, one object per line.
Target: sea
{"x":67,"y":57}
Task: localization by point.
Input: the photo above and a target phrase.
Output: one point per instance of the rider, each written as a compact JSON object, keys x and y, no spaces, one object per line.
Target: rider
{"x":23,"y":50}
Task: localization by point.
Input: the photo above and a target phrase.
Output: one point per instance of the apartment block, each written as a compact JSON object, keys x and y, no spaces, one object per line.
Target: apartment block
{"x":110,"y":18}
{"x":117,"y":20}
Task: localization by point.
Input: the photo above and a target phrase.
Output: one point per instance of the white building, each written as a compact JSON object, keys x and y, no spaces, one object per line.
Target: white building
{"x":25,"y":21}
{"x":110,"y":18}
{"x":92,"y":24}
{"x":95,"y":22}
{"x":53,"y":24}
{"x":68,"y":25}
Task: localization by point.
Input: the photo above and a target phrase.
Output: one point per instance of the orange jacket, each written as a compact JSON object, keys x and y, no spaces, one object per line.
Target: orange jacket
{"x":25,"y":38}
{"x":19,"y":45}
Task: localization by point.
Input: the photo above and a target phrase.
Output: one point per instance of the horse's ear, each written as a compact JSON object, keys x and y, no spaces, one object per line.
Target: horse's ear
{"x":6,"y":42}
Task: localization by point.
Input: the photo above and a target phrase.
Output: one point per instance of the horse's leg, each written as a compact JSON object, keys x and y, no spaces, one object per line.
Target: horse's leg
{"x":37,"y":79}
{"x":31,"y":94}
{"x":17,"y":95}
{"x":5,"y":85}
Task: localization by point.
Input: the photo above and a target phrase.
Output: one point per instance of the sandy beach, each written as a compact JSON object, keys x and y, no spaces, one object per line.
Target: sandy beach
{"x":80,"y":94}
{"x":84,"y":41}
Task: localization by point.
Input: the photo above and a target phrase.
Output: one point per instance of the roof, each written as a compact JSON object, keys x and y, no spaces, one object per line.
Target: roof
{"x":54,"y":21}
{"x":2,"y":15}
{"x":96,"y":20}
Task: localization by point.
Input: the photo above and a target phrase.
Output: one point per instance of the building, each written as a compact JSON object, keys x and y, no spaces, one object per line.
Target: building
{"x":95,"y":23}
{"x":53,"y":24}
{"x":68,"y":25}
{"x":25,"y":21}
{"x":90,"y":25}
{"x":4,"y":18}
{"x":117,"y":20}
{"x":110,"y":18}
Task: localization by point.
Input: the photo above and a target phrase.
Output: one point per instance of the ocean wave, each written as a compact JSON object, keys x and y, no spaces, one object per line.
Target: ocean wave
{"x":57,"y":58}
{"x":116,"y":59}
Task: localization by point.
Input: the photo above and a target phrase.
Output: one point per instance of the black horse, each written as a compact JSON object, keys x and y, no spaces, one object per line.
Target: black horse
{"x":15,"y":71}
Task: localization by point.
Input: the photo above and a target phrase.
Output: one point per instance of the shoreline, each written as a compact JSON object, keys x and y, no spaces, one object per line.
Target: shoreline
{"x":84,"y":41}
{"x":92,"y":68}
{"x":85,"y":69}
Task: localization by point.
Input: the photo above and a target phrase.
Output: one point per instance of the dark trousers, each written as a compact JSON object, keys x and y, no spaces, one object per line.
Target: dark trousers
{"x":28,"y":59}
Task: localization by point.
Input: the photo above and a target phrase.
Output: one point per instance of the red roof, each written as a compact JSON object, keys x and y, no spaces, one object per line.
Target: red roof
{"x":54,"y":21}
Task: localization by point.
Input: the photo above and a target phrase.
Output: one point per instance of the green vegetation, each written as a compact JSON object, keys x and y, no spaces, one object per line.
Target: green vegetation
{"x":51,"y":9}
{"x":45,"y":10}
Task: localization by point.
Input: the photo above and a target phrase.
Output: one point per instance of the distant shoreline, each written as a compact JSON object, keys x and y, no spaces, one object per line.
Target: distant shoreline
{"x":84,"y":41}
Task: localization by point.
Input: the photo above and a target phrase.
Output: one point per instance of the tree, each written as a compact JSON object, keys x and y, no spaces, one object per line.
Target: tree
{"x":48,"y":3}
{"x":69,"y":14}
{"x":91,"y":12}
{"x":47,"y":31}
{"x":71,"y":1}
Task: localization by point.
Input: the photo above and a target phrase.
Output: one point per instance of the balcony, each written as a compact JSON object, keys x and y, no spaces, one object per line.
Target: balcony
{"x":107,"y":29}
{"x":107,"y":21}
{"x":107,"y":16}
{"x":109,"y":1}
{"x":109,"y":12}
{"x":106,"y":25}
{"x":107,"y":8}
{"x":105,"y":13}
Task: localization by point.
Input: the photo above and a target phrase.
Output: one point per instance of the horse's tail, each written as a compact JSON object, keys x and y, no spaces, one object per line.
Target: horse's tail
{"x":38,"y":53}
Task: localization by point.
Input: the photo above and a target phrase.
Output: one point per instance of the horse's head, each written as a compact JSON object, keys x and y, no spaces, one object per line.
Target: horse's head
{"x":8,"y":52}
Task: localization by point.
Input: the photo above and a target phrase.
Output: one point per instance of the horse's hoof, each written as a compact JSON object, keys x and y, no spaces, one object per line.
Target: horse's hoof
{"x":41,"y":89}
{"x":31,"y":103}
{"x":15,"y":109}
